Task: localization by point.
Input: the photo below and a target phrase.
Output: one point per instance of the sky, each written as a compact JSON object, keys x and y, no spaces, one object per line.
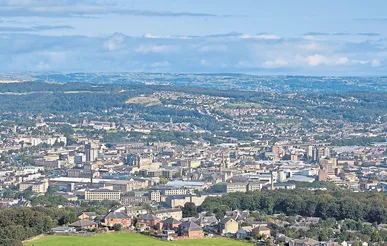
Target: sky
{"x":295,"y":37}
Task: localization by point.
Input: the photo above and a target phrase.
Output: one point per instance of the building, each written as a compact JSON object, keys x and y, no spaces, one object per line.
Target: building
{"x":284,"y":186}
{"x":91,"y":151}
{"x":263,"y":230}
{"x":191,"y":230}
{"x":322,"y":176}
{"x":172,"y":190}
{"x":175,"y":213}
{"x":228,"y":226}
{"x":204,"y":221}
{"x":253,"y":186}
{"x":135,"y":211}
{"x":102,"y":194}
{"x":40,"y":186}
{"x":63,"y":230}
{"x":147,"y":220}
{"x":180,"y":200}
{"x":169,"y":224}
{"x":134,"y":200}
{"x":113,"y":218}
{"x":155,"y":196}
{"x":244,"y":231}
{"x":79,"y":158}
{"x":86,"y":215}
{"x":124,"y":186}
{"x":84,"y":225}
{"x":304,"y":242}
{"x":159,"y":193}
{"x":235,"y":187}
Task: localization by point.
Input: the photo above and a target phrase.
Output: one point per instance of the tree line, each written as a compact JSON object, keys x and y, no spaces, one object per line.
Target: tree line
{"x":338,"y":204}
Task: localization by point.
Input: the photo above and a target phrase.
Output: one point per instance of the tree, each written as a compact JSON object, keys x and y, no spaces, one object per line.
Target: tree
{"x":163,"y":180}
{"x":10,"y":242}
{"x":117,"y":227}
{"x":189,"y":210}
{"x":257,"y":235}
{"x":51,"y":190}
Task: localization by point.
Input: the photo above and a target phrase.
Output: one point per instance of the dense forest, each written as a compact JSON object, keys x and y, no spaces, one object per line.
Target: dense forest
{"x":18,"y":224}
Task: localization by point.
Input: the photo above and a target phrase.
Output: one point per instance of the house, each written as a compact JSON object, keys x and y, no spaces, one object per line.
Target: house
{"x":329,"y":243}
{"x":147,"y":220}
{"x":350,"y":243}
{"x":239,"y":216}
{"x":87,"y":215}
{"x":244,"y":231}
{"x":135,"y":211}
{"x":175,"y":213}
{"x":228,"y":226}
{"x":191,"y":230}
{"x":310,"y":220}
{"x":168,"y":224}
{"x":263,"y":230}
{"x":113,"y":218}
{"x":84,"y":225}
{"x":304,"y":242}
{"x":256,"y":224}
{"x":204,"y":221}
{"x":63,"y":230}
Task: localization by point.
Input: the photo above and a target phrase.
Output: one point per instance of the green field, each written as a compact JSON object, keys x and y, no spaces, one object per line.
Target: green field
{"x":128,"y":239}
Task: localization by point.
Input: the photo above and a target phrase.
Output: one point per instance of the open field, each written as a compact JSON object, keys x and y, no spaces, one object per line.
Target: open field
{"x":128,"y":239}
{"x":147,"y":101}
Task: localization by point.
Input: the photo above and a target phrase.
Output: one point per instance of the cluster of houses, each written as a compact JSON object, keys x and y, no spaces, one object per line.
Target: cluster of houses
{"x":167,"y":224}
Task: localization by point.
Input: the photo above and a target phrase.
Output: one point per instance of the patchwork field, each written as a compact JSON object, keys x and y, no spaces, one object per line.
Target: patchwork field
{"x":127,"y":239}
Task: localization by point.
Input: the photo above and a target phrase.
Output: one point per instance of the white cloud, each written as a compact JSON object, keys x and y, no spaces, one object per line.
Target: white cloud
{"x":213,"y":48}
{"x":314,"y":38}
{"x":153,"y":48}
{"x":199,"y":54}
{"x":375,"y":63}
{"x":341,"y":60}
{"x":279,"y":62}
{"x":115,"y":42}
{"x":55,"y":8}
{"x":310,"y":46}
{"x":148,"y":35}
{"x":362,"y":62}
{"x":260,"y":36}
{"x":318,"y":59}
{"x":160,"y":64}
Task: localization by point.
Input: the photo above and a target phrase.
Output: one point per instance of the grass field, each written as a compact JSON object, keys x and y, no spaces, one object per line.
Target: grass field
{"x":147,"y":101}
{"x":128,"y":239}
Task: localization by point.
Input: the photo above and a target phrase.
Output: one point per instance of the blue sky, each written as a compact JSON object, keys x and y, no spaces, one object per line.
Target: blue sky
{"x":304,"y":37}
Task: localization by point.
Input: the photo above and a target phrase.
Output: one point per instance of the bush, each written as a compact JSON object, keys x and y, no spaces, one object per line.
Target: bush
{"x":117,"y":227}
{"x":10,"y":242}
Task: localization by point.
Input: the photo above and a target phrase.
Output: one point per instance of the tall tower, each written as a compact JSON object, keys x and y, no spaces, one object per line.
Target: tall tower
{"x":91,"y":152}
{"x":171,"y":124}
{"x":224,"y":162}
{"x":221,"y":163}
{"x":91,"y":176}
{"x":315,"y":154}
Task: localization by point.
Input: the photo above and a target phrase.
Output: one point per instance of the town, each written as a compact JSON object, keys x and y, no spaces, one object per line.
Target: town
{"x":176,"y":162}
